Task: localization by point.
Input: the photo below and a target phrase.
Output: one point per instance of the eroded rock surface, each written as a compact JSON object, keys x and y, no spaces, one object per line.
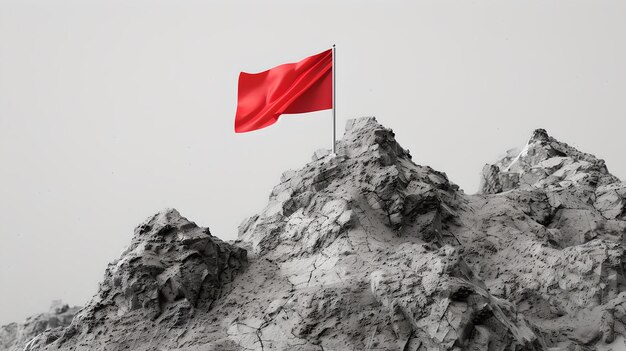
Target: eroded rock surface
{"x":366,"y":250}
{"x":553,"y":219}
{"x":545,"y":163}
{"x":365,"y":241}
{"x":15,"y":336}
{"x":171,"y":269}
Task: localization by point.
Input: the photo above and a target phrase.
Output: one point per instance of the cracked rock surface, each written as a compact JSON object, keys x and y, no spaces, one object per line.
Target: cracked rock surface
{"x":553,"y":219}
{"x":366,"y":250}
{"x":171,"y":270}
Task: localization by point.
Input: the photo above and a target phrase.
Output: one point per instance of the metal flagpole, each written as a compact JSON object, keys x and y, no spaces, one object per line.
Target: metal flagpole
{"x":334,"y":90}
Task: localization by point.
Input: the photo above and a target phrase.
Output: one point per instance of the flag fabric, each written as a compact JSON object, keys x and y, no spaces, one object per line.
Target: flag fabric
{"x":305,"y":86}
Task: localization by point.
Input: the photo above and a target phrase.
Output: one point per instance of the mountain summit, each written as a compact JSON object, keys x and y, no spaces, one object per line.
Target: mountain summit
{"x":545,"y":163}
{"x":366,"y":250}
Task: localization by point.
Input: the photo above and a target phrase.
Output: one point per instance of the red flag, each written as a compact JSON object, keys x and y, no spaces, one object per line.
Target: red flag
{"x":305,"y":86}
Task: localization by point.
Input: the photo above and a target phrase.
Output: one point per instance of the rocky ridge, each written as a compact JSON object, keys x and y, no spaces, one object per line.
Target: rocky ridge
{"x":15,"y":336}
{"x":366,"y":250}
{"x":171,"y":269}
{"x":366,"y":231}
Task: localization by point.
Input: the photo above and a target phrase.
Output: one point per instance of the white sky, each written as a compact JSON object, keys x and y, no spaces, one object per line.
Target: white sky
{"x":113,"y":110}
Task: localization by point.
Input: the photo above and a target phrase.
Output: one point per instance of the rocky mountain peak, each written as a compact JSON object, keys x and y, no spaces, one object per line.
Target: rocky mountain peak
{"x":539,"y":135}
{"x":17,"y":336}
{"x":368,"y":250}
{"x":368,"y":235}
{"x":317,"y":203}
{"x":545,"y":163}
{"x":365,"y":135}
{"x":171,"y":268}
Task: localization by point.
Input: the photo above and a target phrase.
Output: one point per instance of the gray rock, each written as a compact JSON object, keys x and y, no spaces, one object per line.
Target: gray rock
{"x":562,"y":269}
{"x":442,"y":299}
{"x":171,"y":269}
{"x":545,"y":163}
{"x":366,"y":250}
{"x":611,"y":200}
{"x":16,"y":336}
{"x":366,"y":241}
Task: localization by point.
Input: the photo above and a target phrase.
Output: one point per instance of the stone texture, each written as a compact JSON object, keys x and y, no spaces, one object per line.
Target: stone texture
{"x":446,"y":305}
{"x":561,"y":263}
{"x":313,"y":206}
{"x":545,"y":163}
{"x":366,"y":250}
{"x":610,"y":200}
{"x":171,"y":269}
{"x":365,"y":241}
{"x":16,"y":336}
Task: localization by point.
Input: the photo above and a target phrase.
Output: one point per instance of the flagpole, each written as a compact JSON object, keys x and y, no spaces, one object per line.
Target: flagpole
{"x":334,"y":108}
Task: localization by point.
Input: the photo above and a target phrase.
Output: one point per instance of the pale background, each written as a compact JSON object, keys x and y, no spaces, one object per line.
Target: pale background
{"x":113,"y":110}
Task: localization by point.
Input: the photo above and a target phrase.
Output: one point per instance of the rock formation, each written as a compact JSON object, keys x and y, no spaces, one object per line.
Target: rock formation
{"x":363,"y":240}
{"x":555,"y":219}
{"x":365,"y":250}
{"x":172,"y":269}
{"x":15,"y":336}
{"x":547,"y":164}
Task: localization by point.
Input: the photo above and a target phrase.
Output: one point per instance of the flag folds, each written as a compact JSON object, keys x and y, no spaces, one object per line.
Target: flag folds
{"x":305,"y":86}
